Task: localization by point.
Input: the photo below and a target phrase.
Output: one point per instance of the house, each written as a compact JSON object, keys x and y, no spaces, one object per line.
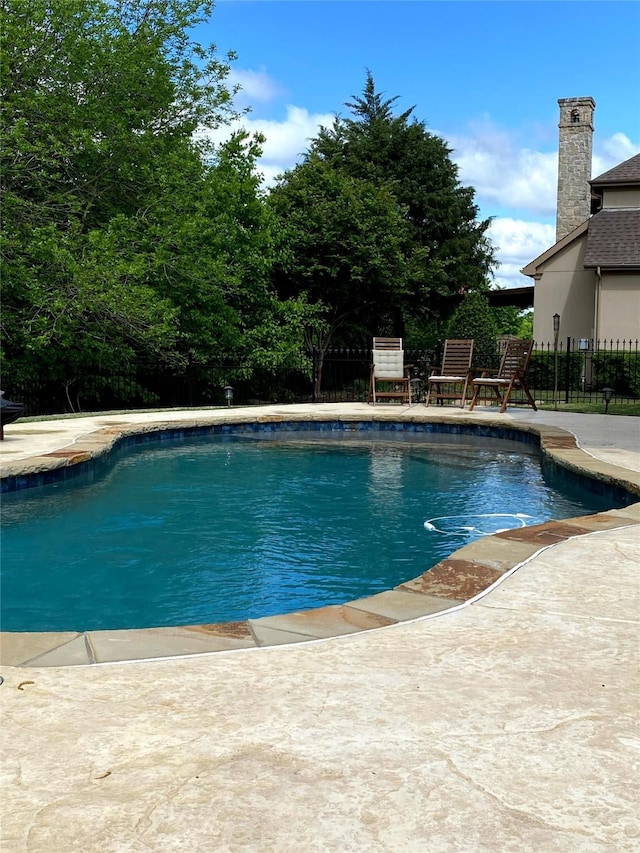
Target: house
{"x":591,"y":275}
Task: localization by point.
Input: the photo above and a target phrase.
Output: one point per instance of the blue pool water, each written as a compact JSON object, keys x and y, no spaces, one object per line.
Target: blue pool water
{"x":211,"y":529}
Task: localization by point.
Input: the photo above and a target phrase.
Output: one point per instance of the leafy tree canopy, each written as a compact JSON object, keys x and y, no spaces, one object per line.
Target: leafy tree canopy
{"x":474,"y":318}
{"x":125,"y":236}
{"x":343,"y":246}
{"x":447,"y":248}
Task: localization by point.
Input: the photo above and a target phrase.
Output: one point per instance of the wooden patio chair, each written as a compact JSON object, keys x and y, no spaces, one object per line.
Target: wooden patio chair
{"x":390,"y":376}
{"x":511,"y":375}
{"x":451,"y":381}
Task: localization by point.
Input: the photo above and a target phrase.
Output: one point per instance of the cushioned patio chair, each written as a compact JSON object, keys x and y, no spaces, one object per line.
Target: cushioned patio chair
{"x":451,"y":381}
{"x":511,"y":376}
{"x":390,"y":376}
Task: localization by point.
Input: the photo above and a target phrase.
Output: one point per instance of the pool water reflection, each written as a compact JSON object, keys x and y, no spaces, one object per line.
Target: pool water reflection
{"x":210,"y":529}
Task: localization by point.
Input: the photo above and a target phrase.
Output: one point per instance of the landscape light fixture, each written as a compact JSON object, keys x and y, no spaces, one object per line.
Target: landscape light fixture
{"x":607,"y":393}
{"x":415,"y":389}
{"x":556,"y":332}
{"x":228,"y":394}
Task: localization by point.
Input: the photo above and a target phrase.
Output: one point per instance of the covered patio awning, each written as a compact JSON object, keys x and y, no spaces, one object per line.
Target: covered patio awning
{"x":520,"y":297}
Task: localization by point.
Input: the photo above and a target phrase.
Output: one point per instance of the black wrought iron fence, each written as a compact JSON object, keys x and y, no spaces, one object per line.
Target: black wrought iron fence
{"x":579,"y":370}
{"x":574,"y":372}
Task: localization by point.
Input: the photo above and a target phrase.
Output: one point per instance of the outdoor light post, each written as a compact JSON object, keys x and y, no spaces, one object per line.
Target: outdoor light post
{"x":607,"y":393}
{"x":228,"y":394}
{"x":556,"y":332}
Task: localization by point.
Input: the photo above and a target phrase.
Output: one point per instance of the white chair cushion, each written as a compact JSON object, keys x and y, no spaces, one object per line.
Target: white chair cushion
{"x":389,"y":365}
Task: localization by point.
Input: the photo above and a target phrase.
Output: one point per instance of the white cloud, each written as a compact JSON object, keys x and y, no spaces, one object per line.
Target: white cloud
{"x":517,"y":242}
{"x":612,"y":151}
{"x":519,"y":239}
{"x":520,"y":178}
{"x":504,"y":174}
{"x":254,"y":85}
{"x":285,"y":141}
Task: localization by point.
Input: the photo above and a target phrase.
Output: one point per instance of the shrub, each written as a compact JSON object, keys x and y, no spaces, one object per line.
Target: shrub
{"x":617,"y":370}
{"x":541,"y":375}
{"x":473,"y":318}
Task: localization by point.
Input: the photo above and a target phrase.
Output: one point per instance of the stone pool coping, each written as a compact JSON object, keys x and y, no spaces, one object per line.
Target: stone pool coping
{"x":461,"y":578}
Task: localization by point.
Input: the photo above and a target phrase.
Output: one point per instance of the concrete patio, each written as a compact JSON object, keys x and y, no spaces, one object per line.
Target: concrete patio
{"x":506,"y":722}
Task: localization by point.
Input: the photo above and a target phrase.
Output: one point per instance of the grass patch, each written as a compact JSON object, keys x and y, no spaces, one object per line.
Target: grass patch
{"x":593,"y":408}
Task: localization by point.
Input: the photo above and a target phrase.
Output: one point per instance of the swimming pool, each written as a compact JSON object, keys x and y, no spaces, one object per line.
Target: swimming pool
{"x":208,"y":526}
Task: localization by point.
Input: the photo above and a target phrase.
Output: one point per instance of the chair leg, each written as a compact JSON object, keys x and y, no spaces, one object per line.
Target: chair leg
{"x":532,"y":402}
{"x":507,"y":394}
{"x":429,"y":384}
{"x":474,"y":398}
{"x":464,"y":393}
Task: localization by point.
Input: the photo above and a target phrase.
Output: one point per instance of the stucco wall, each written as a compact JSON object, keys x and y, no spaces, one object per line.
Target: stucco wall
{"x":619,"y":307}
{"x":567,"y":289}
{"x":621,"y":197}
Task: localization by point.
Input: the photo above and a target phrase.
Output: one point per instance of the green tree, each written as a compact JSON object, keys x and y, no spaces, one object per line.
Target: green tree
{"x":474,"y":318}
{"x":448,"y":248}
{"x":99,"y":101}
{"x":525,"y":328}
{"x":342,"y":250}
{"x":126,"y":237}
{"x":507,"y":319}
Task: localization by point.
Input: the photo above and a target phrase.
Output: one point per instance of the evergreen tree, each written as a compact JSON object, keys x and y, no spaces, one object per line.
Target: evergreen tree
{"x":447,"y":247}
{"x":473,"y":318}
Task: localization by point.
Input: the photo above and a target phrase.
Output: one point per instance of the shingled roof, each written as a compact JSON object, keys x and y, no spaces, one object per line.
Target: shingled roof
{"x":624,"y":173}
{"x":613,"y":238}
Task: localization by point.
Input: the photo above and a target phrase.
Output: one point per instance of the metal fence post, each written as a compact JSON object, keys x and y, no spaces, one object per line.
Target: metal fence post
{"x":314,"y":359}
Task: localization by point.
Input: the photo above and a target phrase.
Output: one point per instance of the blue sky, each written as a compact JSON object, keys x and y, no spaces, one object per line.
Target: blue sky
{"x":485,"y":76}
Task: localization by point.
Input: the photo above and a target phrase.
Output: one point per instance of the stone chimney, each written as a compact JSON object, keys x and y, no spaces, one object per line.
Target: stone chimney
{"x":574,"y":163}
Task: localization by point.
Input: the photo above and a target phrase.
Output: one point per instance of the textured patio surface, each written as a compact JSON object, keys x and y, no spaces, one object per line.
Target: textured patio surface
{"x":506,"y":723}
